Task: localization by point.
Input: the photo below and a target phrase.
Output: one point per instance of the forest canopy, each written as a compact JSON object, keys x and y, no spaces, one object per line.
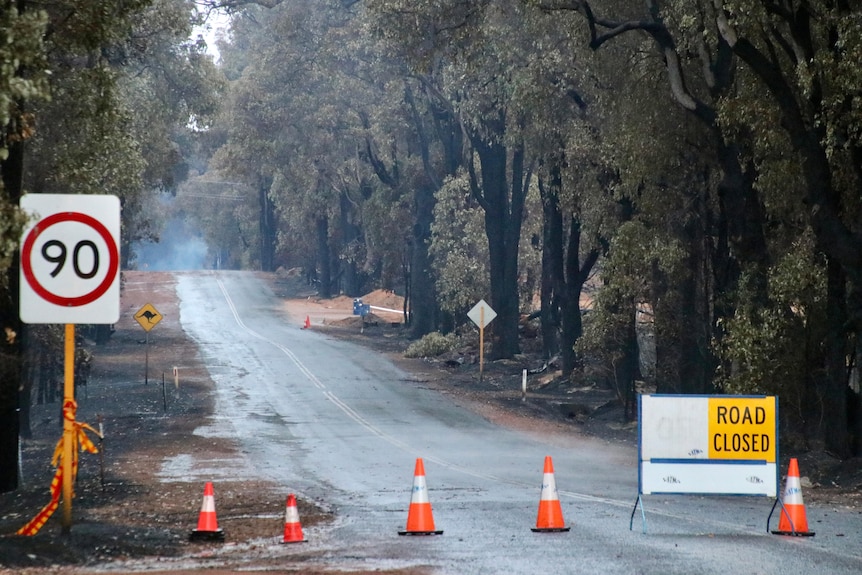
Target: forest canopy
{"x":695,"y":166}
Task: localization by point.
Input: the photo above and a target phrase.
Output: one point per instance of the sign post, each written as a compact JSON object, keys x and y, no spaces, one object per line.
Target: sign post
{"x":68,"y":425}
{"x":70,"y":262}
{"x":148,"y":316}
{"x":482,"y":314}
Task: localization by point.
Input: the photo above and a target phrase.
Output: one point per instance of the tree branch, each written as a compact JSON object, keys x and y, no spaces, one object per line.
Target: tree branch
{"x":657,"y":31}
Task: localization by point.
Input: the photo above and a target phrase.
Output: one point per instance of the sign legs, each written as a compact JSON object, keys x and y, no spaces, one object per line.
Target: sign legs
{"x":643,"y":514}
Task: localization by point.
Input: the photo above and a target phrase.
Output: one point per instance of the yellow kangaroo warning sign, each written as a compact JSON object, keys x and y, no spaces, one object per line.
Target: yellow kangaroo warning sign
{"x":148,"y":317}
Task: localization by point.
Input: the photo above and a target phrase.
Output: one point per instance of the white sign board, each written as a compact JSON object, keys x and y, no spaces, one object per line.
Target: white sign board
{"x":70,"y":259}
{"x":719,"y":444}
{"x":482,"y":314}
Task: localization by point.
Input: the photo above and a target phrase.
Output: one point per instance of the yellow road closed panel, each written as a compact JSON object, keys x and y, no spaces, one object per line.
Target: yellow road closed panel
{"x":742,"y":428}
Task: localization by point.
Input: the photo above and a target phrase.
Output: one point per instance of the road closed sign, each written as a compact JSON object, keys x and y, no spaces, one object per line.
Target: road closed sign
{"x":742,"y":428}
{"x":70,"y":259}
{"x":717,"y":444}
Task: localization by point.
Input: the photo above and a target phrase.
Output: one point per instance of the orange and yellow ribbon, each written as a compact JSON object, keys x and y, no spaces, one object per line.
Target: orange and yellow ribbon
{"x":79,"y":438}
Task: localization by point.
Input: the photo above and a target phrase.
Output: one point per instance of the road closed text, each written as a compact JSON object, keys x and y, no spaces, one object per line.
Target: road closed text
{"x":742,"y":428}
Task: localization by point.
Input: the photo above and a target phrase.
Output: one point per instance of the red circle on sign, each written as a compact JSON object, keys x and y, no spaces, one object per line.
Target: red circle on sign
{"x":113,"y":259}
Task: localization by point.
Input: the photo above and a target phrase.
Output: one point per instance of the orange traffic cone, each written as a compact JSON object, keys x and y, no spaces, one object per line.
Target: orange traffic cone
{"x":307,"y":323}
{"x":550,"y":513}
{"x":420,"y":520}
{"x":292,"y":526}
{"x":208,"y":529}
{"x":793,"y":519}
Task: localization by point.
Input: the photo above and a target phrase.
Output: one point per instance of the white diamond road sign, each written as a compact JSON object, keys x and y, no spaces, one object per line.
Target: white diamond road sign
{"x":70,"y":259}
{"x":482,"y":314}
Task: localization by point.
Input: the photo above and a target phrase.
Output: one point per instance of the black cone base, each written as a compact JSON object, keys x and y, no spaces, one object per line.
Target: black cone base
{"x":197,"y":536}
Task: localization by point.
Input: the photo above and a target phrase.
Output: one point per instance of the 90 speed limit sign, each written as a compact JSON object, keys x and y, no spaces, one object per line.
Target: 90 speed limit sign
{"x":70,"y":259}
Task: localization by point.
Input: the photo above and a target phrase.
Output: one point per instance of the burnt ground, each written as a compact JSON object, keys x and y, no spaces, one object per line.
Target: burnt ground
{"x":123,"y":511}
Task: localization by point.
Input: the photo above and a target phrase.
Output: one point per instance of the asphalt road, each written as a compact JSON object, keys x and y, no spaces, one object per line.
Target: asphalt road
{"x":343,"y":427}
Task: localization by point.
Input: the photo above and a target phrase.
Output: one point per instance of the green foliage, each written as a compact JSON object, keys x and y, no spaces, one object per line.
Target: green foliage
{"x":770,"y":348}
{"x":318,"y":92}
{"x":459,"y":248}
{"x":21,"y":49}
{"x":626,"y":273}
{"x":432,"y":345}
{"x":103,"y":157}
{"x":128,"y":91}
{"x":386,"y":219}
{"x":12,"y":222}
{"x":23,"y":81}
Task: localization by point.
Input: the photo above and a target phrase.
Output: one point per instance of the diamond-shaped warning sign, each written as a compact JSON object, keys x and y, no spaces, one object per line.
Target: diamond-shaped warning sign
{"x":148,"y":317}
{"x":482,"y":314}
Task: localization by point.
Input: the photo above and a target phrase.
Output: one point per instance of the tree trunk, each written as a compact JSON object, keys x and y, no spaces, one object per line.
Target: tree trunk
{"x":503,"y":211}
{"x":268,"y":229}
{"x":575,"y":278}
{"x":422,"y":288}
{"x":833,"y":388}
{"x":324,"y":288}
{"x":11,"y":170}
{"x":683,"y":358}
{"x":628,"y":370}
{"x":424,"y":306}
{"x":565,"y":275}
{"x":552,"y":263}
{"x":741,"y":217}
{"x":351,"y":235}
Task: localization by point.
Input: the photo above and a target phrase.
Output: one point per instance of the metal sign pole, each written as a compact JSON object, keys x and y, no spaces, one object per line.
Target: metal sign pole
{"x":147,"y":360}
{"x":68,"y":425}
{"x":481,"y":342}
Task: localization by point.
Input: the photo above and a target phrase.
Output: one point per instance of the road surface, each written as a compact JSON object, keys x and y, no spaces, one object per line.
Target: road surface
{"x":341,"y":426}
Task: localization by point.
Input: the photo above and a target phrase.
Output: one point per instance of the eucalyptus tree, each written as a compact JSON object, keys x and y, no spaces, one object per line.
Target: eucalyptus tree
{"x":431,"y":141}
{"x":802,"y":55}
{"x":408,"y":141}
{"x":700,"y":70}
{"x":267,"y":64}
{"x":292,"y":130}
{"x":128,"y":87}
{"x":505,"y":71}
{"x":246,"y":142}
{"x":805,"y":55}
{"x":566,"y":109}
{"x":23,"y":80}
{"x":102,"y":59}
{"x":478,"y":48}
{"x":324,"y":111}
{"x":619,"y":171}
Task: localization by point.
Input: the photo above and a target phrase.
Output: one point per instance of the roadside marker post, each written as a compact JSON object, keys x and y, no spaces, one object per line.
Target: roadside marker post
{"x":164,"y":393}
{"x":101,"y":451}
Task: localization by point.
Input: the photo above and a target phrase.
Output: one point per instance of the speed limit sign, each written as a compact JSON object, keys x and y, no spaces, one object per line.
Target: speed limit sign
{"x":70,"y":259}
